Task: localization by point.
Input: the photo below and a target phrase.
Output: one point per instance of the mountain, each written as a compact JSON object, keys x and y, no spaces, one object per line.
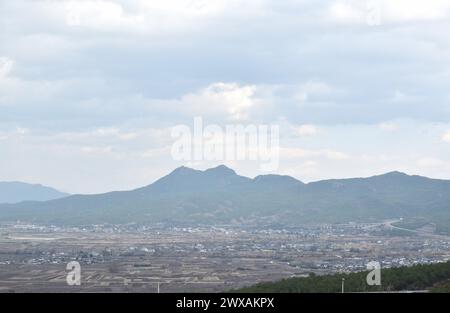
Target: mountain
{"x":219,"y":195}
{"x":185,"y":179}
{"x":14,"y":192}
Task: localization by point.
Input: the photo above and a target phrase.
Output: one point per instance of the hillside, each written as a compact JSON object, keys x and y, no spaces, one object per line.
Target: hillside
{"x":14,"y":192}
{"x":433,"y":277}
{"x":219,"y":195}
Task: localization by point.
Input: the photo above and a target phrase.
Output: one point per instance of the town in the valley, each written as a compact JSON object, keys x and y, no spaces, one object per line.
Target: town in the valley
{"x":164,"y":258}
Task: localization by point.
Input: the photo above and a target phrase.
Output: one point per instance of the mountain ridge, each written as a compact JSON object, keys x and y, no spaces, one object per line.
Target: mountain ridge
{"x":219,"y":195}
{"x":16,"y":191}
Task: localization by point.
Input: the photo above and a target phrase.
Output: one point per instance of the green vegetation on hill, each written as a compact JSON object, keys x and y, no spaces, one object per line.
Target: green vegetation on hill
{"x":220,"y":196}
{"x":412,"y":223}
{"x":442,"y":288}
{"x":433,"y":277}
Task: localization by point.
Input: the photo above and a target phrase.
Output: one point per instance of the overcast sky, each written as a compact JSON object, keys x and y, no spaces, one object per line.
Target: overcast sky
{"x":89,"y":90}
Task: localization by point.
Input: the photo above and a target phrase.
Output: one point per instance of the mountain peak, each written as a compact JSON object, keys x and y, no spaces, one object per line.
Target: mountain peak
{"x":187,"y":179}
{"x":221,"y":170}
{"x":395,"y":174}
{"x":183,"y":170}
{"x":277,"y":178}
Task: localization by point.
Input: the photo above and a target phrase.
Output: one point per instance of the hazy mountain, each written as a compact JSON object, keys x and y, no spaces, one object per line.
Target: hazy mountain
{"x":14,"y":192}
{"x":219,"y":195}
{"x":185,"y":179}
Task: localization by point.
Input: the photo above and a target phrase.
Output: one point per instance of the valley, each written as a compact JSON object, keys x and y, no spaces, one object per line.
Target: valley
{"x":140,"y":258}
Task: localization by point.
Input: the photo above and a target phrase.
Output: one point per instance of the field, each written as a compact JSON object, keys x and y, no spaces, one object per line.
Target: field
{"x":136,"y":258}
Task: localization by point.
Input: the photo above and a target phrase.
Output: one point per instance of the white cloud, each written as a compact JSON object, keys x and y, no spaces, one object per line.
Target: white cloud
{"x":312,"y":88}
{"x":6,"y":65}
{"x":431,"y":162}
{"x":446,"y":137}
{"x":22,"y":131}
{"x":154,"y":17}
{"x":346,"y":11}
{"x":156,"y":152}
{"x":18,"y":132}
{"x":305,"y":170}
{"x":399,"y":96}
{"x":131,"y":139}
{"x":356,"y":11}
{"x":293,"y":153}
{"x":98,"y":74}
{"x":388,"y":126}
{"x":306,"y":130}
{"x":100,"y":15}
{"x":228,"y":99}
{"x":93,"y":150}
{"x":407,"y":10}
{"x":112,"y":131}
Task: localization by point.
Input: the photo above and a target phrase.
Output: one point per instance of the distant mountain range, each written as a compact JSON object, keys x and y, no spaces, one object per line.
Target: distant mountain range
{"x":220,"y":196}
{"x":14,"y":192}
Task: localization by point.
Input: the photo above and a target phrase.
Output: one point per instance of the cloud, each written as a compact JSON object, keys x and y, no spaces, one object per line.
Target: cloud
{"x":376,"y":12}
{"x":116,"y":132}
{"x":409,"y":10}
{"x":306,"y":130}
{"x":446,"y":137}
{"x":230,"y":99}
{"x":388,"y":126}
{"x":89,"y":150}
{"x":100,"y":15}
{"x":347,"y":12}
{"x":6,"y":66}
{"x":98,"y":84}
{"x":432,"y":162}
{"x":400,"y":97}
{"x":306,"y":170}
{"x":299,"y":153}
{"x":114,"y":58}
{"x":152,"y":18}
{"x":312,"y":88}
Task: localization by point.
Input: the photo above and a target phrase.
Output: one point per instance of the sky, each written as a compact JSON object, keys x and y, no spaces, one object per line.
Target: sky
{"x":90,"y":90}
